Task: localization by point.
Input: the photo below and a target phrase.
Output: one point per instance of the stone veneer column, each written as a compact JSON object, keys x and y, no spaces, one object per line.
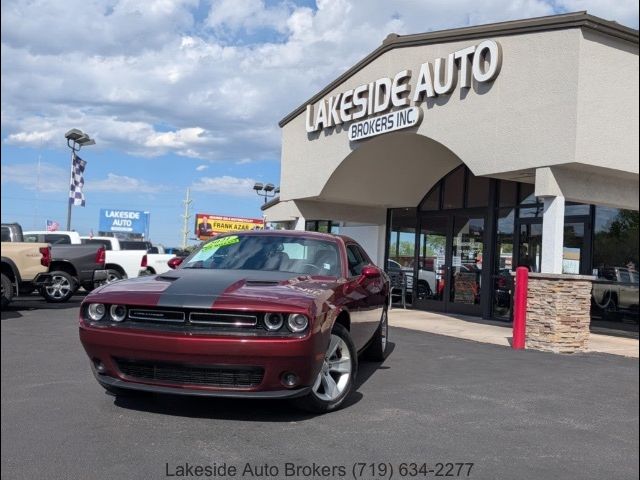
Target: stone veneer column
{"x":558,"y":312}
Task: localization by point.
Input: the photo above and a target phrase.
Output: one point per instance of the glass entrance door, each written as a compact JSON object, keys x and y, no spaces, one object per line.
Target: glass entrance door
{"x":466,"y":263}
{"x":530,"y":246}
{"x":431,"y":264}
{"x":449,"y":263}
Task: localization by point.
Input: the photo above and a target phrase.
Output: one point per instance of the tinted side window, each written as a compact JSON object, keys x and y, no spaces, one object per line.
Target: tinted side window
{"x":355,"y":260}
{"x":6,"y":234}
{"x":624,"y":276}
{"x":31,"y":238}
{"x":57,"y":239}
{"x":365,"y":257}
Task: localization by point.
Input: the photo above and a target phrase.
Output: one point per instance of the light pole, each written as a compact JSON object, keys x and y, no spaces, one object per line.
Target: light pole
{"x":76,"y":139}
{"x":267,"y":191}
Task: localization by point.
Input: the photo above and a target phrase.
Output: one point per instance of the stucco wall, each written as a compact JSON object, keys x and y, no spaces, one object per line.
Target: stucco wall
{"x":526,"y":118}
{"x":559,"y":99}
{"x":607,"y":130}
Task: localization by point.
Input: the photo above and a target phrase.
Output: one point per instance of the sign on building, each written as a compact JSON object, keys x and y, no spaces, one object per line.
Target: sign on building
{"x":209,"y":225}
{"x":125,"y":221}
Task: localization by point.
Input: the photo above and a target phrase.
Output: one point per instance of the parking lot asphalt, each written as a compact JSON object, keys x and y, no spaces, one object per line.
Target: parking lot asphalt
{"x":513,"y":414}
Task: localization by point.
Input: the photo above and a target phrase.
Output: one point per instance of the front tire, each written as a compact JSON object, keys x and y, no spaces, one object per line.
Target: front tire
{"x":377,"y":349}
{"x":7,"y":290}
{"x":62,"y":288}
{"x":336,"y":377}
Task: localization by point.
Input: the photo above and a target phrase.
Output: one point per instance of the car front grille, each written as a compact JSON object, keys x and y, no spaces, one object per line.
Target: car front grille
{"x":193,"y":321}
{"x":182,"y":374}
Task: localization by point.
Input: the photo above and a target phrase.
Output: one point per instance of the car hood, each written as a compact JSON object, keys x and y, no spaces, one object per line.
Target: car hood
{"x":204,"y":288}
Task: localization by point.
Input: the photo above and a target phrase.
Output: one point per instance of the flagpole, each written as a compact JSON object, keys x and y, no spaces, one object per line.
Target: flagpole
{"x":73,"y":154}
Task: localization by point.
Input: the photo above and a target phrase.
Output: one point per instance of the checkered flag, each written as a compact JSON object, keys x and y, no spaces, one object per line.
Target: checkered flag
{"x":76,"y":197}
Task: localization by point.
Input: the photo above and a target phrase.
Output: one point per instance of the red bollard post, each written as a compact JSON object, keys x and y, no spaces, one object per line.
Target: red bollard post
{"x":520,"y":308}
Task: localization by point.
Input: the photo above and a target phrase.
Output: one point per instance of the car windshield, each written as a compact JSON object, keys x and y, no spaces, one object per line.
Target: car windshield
{"x":268,"y":252}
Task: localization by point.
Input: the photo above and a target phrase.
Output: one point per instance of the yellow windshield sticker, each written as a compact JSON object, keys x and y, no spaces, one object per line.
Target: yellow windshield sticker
{"x":221,"y":242}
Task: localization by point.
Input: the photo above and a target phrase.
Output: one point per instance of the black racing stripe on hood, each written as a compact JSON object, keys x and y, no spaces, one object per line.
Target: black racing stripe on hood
{"x":199,"y":288}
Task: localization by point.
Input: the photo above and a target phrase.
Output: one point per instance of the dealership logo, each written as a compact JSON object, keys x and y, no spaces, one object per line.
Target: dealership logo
{"x":405,"y":118}
{"x":480,"y":63}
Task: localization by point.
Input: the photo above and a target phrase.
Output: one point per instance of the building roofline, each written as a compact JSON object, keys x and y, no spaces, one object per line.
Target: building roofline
{"x":512,"y":27}
{"x":270,"y":203}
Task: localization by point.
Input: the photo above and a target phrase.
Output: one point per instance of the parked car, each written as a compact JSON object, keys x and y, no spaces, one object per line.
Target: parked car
{"x":24,"y":265}
{"x":260,"y":314}
{"x":53,"y":238}
{"x":141,"y":258}
{"x":72,"y":267}
{"x":616,"y":289}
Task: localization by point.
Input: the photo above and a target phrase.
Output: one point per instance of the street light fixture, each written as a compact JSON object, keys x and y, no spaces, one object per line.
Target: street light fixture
{"x":267,"y":191}
{"x":76,"y":139}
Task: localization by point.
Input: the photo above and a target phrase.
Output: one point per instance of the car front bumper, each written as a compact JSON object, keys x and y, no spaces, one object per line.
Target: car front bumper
{"x":106,"y":347}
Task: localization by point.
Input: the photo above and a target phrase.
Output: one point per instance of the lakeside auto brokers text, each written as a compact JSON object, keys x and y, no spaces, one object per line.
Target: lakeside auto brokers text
{"x":480,"y":63}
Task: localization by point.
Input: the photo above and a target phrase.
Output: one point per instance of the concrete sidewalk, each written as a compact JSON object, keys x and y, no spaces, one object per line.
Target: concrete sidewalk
{"x":486,"y":331}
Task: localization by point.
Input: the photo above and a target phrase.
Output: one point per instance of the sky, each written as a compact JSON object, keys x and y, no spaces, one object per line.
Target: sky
{"x":188,"y":93}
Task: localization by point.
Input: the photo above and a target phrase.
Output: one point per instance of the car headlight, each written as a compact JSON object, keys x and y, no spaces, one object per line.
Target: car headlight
{"x":297,"y":322}
{"x":273,"y":321}
{"x":118,"y":313}
{"x":96,"y":311}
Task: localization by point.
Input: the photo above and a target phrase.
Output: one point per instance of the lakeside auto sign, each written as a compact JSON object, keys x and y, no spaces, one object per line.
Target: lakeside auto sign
{"x":210,"y":225}
{"x":480,"y":63}
{"x":128,"y":221}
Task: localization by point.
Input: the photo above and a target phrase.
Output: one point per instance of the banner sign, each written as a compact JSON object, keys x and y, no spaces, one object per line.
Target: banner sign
{"x":210,"y":225}
{"x":129,"y":221}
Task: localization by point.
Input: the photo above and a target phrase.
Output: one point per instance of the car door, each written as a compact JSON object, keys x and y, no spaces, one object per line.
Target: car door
{"x":366,"y":297}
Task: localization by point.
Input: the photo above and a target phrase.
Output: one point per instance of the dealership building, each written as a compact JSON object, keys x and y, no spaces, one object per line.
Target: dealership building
{"x":456,"y":156}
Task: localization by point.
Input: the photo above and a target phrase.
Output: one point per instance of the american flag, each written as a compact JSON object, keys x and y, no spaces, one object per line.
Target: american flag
{"x":52,"y":225}
{"x":76,"y":197}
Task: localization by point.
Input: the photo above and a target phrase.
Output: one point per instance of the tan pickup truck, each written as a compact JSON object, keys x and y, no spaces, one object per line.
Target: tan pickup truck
{"x":24,"y":266}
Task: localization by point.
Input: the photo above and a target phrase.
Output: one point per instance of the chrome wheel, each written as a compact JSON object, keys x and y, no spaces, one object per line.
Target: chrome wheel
{"x":113,"y":277}
{"x":334,"y":375}
{"x":59,"y":288}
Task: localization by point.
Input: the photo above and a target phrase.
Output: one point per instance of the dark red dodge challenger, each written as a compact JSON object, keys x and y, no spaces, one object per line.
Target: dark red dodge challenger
{"x":265,"y":314}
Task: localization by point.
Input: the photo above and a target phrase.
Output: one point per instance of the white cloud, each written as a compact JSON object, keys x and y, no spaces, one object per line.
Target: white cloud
{"x":225,"y":185}
{"x":52,"y":178}
{"x":44,"y":178}
{"x":123,"y":184}
{"x":153,"y":78}
{"x":201,"y":168}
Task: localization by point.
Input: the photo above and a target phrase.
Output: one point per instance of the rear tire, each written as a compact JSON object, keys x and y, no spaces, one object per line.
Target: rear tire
{"x":336,"y":377}
{"x":113,"y":276}
{"x":7,"y":290}
{"x":377,"y":349}
{"x":62,"y":288}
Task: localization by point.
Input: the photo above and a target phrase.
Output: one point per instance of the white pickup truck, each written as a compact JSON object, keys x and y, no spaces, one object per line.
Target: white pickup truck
{"x":127,"y":262}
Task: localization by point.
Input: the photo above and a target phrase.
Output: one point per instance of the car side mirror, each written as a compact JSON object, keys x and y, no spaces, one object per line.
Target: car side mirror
{"x":371,"y":272}
{"x":175,"y":262}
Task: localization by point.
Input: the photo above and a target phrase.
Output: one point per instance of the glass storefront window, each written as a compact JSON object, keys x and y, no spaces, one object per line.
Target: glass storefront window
{"x":615,"y":262}
{"x":401,"y":247}
{"x":477,"y":191}
{"x":508,"y":193}
{"x":526,"y":194}
{"x":576,"y":209}
{"x":454,"y":189}
{"x":432,"y":202}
